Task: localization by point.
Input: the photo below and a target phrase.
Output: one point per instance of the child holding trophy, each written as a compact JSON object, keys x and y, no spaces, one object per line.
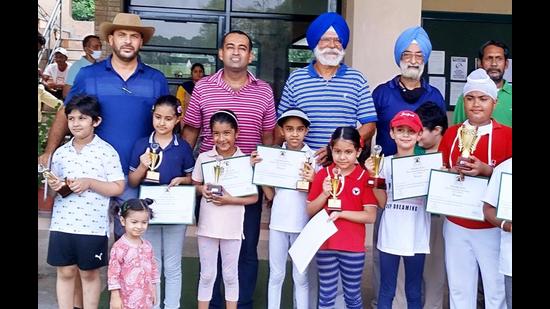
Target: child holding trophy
{"x":405,"y":225}
{"x":474,"y":148}
{"x":353,"y":205}
{"x":220,"y":226}
{"x":164,"y":158}
{"x":288,"y":213}
{"x":80,"y":223}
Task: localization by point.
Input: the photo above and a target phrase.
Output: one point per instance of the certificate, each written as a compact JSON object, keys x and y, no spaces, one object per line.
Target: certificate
{"x":314,"y":234}
{"x":449,"y":196}
{"x":504,"y":205}
{"x":235,"y":176}
{"x":411,"y":174}
{"x":279,"y":167}
{"x":174,"y":205}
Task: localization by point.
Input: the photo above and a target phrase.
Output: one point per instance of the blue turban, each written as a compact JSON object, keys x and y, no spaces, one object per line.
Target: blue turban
{"x":405,"y":39}
{"x":321,"y":24}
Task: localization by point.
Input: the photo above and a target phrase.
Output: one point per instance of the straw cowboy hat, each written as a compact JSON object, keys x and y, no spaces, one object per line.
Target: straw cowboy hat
{"x":126,"y":21}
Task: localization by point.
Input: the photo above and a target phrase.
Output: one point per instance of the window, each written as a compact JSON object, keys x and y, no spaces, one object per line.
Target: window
{"x":183,"y":34}
{"x":178,"y":65}
{"x":306,"y":7}
{"x":183,"y":4}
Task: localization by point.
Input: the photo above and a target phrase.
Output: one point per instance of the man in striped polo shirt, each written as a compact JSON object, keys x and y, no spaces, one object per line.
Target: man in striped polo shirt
{"x":251,"y":99}
{"x":328,"y":91}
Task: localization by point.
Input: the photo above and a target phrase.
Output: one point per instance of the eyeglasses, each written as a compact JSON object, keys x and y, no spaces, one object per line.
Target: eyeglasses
{"x":409,"y":56}
{"x":327,"y":41}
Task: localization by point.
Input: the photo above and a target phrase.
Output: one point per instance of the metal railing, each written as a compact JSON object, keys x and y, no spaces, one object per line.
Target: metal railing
{"x":53,"y":24}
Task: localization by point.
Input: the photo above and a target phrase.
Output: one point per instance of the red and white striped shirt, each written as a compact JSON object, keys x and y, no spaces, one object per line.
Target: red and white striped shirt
{"x":253,"y":104}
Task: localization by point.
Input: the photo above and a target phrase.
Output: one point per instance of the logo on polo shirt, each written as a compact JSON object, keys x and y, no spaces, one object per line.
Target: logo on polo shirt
{"x":355,"y":191}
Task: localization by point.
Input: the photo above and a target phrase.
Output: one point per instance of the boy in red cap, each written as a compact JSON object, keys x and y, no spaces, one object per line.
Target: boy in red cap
{"x":405,"y":225}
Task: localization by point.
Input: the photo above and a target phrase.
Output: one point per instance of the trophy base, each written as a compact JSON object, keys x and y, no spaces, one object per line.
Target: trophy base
{"x":215,"y":189}
{"x":460,"y":163}
{"x":64,"y":191}
{"x":302,"y":185}
{"x":334,"y":204}
{"x":152,"y":177}
{"x":377,"y":183}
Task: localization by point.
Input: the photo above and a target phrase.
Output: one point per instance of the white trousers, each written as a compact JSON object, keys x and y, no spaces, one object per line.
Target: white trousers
{"x":468,"y":251}
{"x":208,"y":254}
{"x":279,"y":243}
{"x":167,"y":241}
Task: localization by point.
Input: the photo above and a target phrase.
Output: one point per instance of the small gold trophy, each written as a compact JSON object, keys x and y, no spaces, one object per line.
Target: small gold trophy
{"x":376,"y":181}
{"x":303,"y":184}
{"x":156,"y":159}
{"x":467,"y":142}
{"x":64,"y":191}
{"x":216,"y":188}
{"x":334,"y":203}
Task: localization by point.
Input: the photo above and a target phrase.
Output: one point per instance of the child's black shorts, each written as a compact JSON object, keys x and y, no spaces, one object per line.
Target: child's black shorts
{"x":88,"y":252}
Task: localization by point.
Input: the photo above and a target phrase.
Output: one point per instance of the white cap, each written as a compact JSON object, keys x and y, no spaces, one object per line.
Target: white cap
{"x":62,"y":51}
{"x":293,"y":112}
{"x":480,"y":81}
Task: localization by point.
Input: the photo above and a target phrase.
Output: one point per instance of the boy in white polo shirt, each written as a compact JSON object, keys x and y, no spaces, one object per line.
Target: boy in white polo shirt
{"x":288,"y":214}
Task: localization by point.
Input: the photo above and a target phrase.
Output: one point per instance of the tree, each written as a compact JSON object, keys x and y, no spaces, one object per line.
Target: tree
{"x":83,"y":10}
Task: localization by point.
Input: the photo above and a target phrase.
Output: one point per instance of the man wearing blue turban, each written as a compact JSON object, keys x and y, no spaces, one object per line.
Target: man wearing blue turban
{"x":406,"y":91}
{"x":332,"y":95}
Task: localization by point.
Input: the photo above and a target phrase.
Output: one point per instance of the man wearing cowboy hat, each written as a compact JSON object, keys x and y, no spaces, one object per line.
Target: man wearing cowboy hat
{"x":126,"y":89}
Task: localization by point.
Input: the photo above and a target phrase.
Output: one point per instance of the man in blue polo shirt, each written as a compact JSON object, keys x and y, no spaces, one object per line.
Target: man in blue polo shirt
{"x":328,"y":91}
{"x":126,"y":89}
{"x":406,"y":91}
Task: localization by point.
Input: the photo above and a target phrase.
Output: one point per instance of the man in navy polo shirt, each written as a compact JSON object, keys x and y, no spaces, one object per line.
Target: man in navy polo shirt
{"x":406,"y":91}
{"x":126,"y":89}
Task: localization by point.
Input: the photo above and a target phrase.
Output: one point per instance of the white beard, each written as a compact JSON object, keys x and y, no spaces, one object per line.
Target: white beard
{"x":408,"y":71}
{"x":326,"y":56}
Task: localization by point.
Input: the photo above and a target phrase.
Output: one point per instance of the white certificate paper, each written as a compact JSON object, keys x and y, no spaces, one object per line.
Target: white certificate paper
{"x":236,"y":176}
{"x":449,"y":196}
{"x":314,"y":234}
{"x":504,"y":205}
{"x":411,"y":175}
{"x":279,"y":167}
{"x":171,"y":206}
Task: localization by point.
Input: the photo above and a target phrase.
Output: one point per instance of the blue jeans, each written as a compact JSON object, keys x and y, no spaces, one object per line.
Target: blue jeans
{"x":414,"y":267}
{"x":508,"y":290}
{"x":248,"y":259}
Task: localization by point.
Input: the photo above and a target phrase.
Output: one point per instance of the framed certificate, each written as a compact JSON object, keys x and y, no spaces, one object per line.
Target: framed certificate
{"x":450,"y":196}
{"x":235,"y":176}
{"x":411,"y":174}
{"x":174,"y":205}
{"x":504,"y":205}
{"x":279,"y":167}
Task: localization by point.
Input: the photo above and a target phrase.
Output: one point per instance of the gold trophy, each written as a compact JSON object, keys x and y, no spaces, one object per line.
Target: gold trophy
{"x":216,"y":188}
{"x":303,"y":184}
{"x":467,"y":142}
{"x":376,"y":181}
{"x":156,"y":159}
{"x":334,"y":203}
{"x":64,"y":191}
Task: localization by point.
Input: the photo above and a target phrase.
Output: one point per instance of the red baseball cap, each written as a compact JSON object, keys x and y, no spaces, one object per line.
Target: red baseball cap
{"x":407,"y":118}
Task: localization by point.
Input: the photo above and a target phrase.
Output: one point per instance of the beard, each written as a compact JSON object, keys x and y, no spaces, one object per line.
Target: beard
{"x":329,"y":56}
{"x":125,"y":56}
{"x":411,"y":71}
{"x":496,"y":75}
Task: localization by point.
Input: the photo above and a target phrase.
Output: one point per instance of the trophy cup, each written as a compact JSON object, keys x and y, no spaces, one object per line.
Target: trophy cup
{"x":216,"y":188}
{"x":156,"y":159}
{"x":376,"y":181}
{"x":64,"y":191}
{"x":467,"y":142}
{"x":303,"y":184}
{"x":334,"y":203}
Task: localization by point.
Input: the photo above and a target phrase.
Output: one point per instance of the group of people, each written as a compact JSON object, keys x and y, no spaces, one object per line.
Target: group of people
{"x":327,"y":110}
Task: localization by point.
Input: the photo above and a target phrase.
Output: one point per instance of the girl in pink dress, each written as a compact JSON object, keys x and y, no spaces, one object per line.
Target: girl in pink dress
{"x":133,"y":271}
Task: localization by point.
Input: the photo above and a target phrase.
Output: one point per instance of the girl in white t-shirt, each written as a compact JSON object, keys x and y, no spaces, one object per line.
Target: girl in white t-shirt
{"x":220,"y":224}
{"x":405,"y":224}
